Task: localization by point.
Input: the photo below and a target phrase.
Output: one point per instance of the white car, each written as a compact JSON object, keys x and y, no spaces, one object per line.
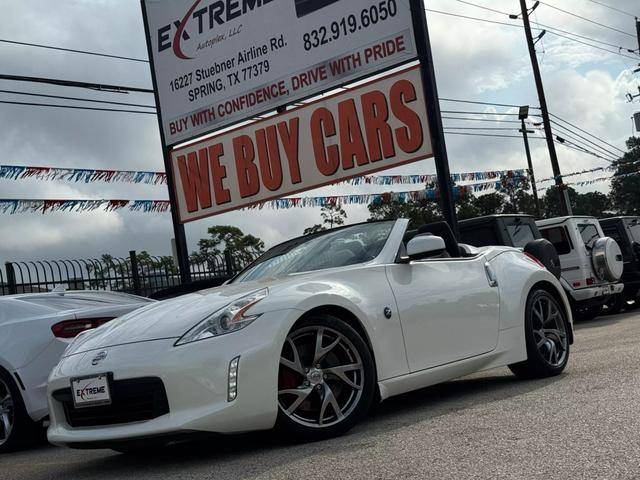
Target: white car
{"x":35,"y":329}
{"x":592,"y":264}
{"x":308,"y":336}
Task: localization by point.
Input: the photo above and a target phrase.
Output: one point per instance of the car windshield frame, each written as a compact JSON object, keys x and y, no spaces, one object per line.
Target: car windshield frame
{"x":273,"y":263}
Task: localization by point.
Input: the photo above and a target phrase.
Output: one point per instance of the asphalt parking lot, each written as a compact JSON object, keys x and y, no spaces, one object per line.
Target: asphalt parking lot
{"x":584,"y":424}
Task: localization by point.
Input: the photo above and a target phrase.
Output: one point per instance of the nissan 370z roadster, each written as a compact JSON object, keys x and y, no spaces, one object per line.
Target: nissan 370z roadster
{"x":308,"y":336}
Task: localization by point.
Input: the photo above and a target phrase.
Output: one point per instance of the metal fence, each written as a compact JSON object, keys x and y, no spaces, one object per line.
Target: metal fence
{"x":140,"y":273}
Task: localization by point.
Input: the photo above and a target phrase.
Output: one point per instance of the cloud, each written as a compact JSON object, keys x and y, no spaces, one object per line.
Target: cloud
{"x":473,"y":60}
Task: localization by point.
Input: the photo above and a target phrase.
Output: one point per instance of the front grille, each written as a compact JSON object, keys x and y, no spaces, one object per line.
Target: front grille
{"x":132,"y":400}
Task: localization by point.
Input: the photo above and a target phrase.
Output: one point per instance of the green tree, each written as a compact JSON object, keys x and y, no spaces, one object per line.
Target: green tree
{"x":489,"y":204}
{"x":418,"y":212}
{"x":333,"y":215}
{"x":243,"y":248}
{"x":625,"y":191}
{"x":593,"y":204}
{"x":551,"y":201}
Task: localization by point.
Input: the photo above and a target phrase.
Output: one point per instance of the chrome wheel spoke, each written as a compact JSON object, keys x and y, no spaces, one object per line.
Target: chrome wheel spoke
{"x":341,"y":373}
{"x":559,"y":334}
{"x":321,"y":351}
{"x":301,"y":395}
{"x":6,"y":413}
{"x":6,"y":425}
{"x":549,"y":333}
{"x":335,"y":377}
{"x":296,"y":364}
{"x":329,"y":399}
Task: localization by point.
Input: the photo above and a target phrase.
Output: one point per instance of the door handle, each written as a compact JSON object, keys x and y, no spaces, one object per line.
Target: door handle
{"x":491,"y":275}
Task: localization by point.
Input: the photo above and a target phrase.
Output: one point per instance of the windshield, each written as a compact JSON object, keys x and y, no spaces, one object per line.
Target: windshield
{"x":334,"y":248}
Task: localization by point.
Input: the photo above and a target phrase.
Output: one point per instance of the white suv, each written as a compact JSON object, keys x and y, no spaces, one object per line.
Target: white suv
{"x":591,"y":263}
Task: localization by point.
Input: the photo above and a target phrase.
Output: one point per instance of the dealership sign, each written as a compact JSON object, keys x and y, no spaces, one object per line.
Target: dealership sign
{"x":376,"y":126}
{"x":218,"y":62}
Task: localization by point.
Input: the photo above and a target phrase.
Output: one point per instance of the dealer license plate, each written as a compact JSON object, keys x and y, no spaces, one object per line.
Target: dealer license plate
{"x":91,"y":391}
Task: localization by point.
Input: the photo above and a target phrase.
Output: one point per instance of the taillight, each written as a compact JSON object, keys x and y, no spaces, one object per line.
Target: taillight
{"x":534,"y":260}
{"x":71,"y":328}
{"x":591,"y":281}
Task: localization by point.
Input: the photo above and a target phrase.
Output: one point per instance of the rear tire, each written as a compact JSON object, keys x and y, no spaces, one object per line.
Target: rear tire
{"x":586,"y":314}
{"x":326,"y":382}
{"x":546,"y":333}
{"x":615,"y":304}
{"x":17,"y":430}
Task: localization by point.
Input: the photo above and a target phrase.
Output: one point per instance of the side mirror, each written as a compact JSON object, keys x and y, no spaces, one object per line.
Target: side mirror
{"x":424,"y":246}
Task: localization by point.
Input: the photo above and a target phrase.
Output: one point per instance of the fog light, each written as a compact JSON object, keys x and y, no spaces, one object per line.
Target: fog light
{"x":232,"y":385}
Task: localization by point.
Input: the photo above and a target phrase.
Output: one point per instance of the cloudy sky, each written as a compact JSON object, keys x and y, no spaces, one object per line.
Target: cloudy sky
{"x":474,"y":61}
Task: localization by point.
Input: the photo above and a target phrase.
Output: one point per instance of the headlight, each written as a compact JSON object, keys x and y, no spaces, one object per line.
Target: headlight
{"x":226,"y":320}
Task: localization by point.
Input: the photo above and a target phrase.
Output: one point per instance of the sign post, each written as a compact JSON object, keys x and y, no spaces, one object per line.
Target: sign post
{"x":423,"y":45}
{"x":180,"y":238}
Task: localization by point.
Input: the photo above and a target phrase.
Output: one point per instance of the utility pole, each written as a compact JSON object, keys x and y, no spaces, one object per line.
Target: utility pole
{"x":565,"y":205}
{"x":524,"y":114}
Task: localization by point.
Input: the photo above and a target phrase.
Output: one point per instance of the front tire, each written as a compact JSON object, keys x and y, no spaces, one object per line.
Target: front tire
{"x":546,"y":337}
{"x":326,"y":381}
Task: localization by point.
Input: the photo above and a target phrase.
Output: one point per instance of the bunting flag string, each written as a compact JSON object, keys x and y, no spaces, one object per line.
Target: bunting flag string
{"x":432,"y":178}
{"x":81,"y":175}
{"x":373,"y":198}
{"x":582,"y":172}
{"x":596,"y":180}
{"x":15,"y":206}
{"x":84,"y":175}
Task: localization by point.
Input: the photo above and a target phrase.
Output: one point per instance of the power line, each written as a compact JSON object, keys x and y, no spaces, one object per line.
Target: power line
{"x":587,"y":19}
{"x":481,"y":120}
{"x":71,"y":50}
{"x":483,"y":7}
{"x":511,"y":129}
{"x":593,"y":46}
{"x":588,"y":133}
{"x":613,"y":8}
{"x":572,"y":146}
{"x":482,"y":103}
{"x":488,"y":135}
{"x":484,"y":113}
{"x":467,"y":17}
{"x":548,"y":27}
{"x":15,"y":92}
{"x":70,"y":83}
{"x":566,"y":129}
{"x":568,"y":140}
{"x":8,"y":102}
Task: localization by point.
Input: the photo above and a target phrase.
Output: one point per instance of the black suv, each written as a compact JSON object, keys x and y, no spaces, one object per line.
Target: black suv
{"x":626,"y":231}
{"x":508,"y":230}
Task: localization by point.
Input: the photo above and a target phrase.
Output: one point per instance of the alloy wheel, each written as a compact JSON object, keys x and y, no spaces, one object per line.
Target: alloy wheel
{"x":321,"y":377}
{"x":7,"y":412}
{"x":549,"y":330}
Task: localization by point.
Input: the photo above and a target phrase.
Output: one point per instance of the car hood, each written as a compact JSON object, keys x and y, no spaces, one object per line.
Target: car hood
{"x":162,"y":320}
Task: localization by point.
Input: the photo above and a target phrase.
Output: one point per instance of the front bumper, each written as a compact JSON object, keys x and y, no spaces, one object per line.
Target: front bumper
{"x":195,"y":377}
{"x":596,"y":292}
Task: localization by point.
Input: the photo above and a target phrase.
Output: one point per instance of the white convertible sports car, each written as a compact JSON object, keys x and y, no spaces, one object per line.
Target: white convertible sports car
{"x":35,"y":329}
{"x":308,"y":336}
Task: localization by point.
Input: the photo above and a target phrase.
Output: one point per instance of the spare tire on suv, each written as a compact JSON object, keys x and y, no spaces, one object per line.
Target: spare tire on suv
{"x":607,"y":260}
{"x":546,"y":253}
